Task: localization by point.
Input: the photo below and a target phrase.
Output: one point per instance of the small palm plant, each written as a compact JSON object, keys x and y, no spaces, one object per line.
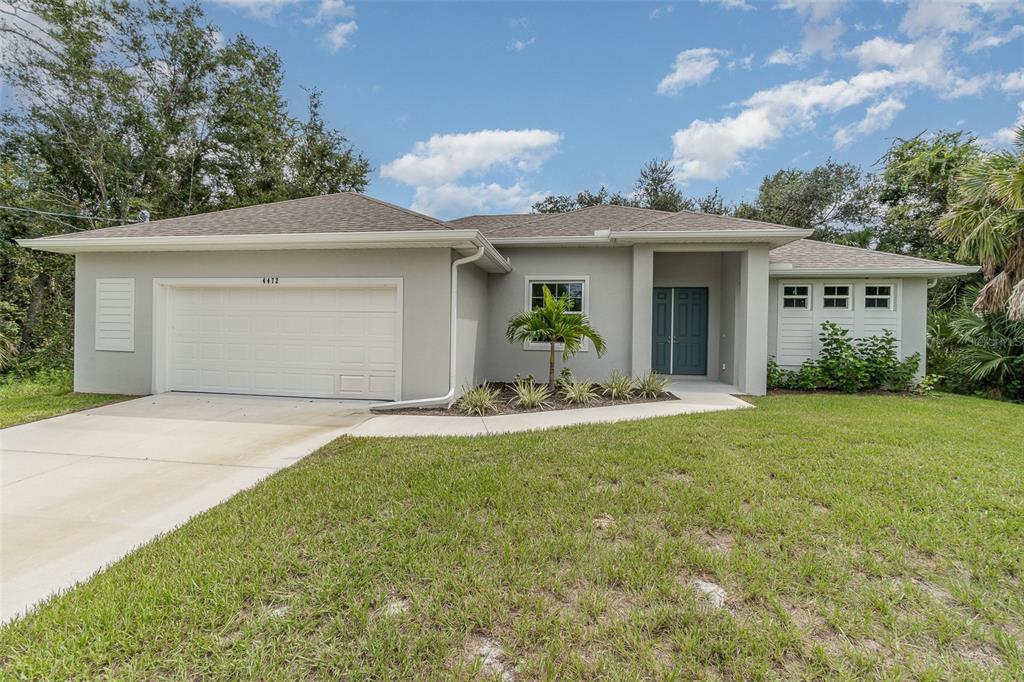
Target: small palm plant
{"x":554,"y":323}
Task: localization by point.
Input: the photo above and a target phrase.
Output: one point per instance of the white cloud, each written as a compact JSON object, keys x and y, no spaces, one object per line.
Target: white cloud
{"x":744,"y":63}
{"x":521,"y":45}
{"x":339,"y":35}
{"x":712,"y":149}
{"x":1007,"y":136}
{"x":435,"y":167}
{"x":879,"y":116}
{"x":814,"y":10}
{"x":937,"y":16}
{"x":331,"y":9}
{"x":451,"y":200}
{"x":1013,"y":82}
{"x":258,"y":9}
{"x":692,"y":67}
{"x":783,"y":57}
{"x":661,"y":11}
{"x":987,"y":41}
{"x":732,"y":4}
{"x":444,"y":158}
{"x":821,"y":38}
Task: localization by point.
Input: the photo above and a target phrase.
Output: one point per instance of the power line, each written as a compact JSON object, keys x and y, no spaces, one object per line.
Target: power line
{"x":65,"y":215}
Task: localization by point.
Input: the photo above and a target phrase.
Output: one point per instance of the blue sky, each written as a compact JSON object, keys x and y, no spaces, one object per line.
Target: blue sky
{"x":483,"y":107}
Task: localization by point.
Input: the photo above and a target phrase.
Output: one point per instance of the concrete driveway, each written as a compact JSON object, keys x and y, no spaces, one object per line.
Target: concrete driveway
{"x":82,"y":490}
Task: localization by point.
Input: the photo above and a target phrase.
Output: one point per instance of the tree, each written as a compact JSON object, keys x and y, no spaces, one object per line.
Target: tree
{"x":832,"y":199}
{"x":563,"y":203}
{"x":554,"y":323}
{"x":916,"y":187}
{"x":656,"y":187}
{"x":119,"y":107}
{"x":987,"y":223}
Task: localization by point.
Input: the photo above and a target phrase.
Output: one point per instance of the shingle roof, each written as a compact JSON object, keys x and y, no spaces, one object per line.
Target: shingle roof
{"x":809,"y":255}
{"x":585,"y":221}
{"x":343,"y":212}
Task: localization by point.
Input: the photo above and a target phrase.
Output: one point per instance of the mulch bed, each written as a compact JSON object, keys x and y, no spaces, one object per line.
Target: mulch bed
{"x":505,"y":405}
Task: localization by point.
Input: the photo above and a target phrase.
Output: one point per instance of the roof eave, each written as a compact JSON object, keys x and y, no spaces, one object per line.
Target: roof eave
{"x":467,"y":240}
{"x":935,"y":272}
{"x":773,"y":237}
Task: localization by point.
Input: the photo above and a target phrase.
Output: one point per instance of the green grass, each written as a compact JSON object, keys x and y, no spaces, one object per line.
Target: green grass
{"x":47,"y":395}
{"x":856,"y":536}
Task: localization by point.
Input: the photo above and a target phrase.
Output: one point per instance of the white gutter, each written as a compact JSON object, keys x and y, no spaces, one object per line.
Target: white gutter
{"x":447,"y":398}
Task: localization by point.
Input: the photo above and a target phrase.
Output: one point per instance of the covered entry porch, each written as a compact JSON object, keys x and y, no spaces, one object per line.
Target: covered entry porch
{"x":700,"y":314}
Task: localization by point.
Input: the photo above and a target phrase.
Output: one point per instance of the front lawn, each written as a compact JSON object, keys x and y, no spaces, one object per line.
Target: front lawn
{"x":854,"y":537}
{"x":48,"y":395}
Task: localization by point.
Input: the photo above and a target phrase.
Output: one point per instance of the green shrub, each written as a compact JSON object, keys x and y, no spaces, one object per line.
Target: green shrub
{"x":578,"y":392}
{"x":808,"y":378}
{"x":842,"y":367}
{"x":650,"y":385}
{"x":779,"y":377}
{"x":618,"y":387}
{"x":480,"y":400}
{"x":530,"y":395}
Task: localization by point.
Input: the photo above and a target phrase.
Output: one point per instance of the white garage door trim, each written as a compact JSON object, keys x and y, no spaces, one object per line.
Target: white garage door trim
{"x":161,"y":329}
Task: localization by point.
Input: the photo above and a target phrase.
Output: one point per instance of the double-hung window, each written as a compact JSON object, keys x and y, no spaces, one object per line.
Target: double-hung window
{"x":796,"y":296}
{"x":836,"y":297}
{"x":878,"y":296}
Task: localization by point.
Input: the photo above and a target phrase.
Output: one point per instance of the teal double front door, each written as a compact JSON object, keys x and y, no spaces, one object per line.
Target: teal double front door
{"x":680,"y":333}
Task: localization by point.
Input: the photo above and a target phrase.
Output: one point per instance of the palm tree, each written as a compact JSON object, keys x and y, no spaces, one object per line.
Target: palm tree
{"x":988,"y":222}
{"x":554,"y":323}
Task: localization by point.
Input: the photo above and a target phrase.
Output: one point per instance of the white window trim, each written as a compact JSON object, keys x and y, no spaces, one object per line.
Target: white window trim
{"x":892,"y":295}
{"x":850,"y":295}
{"x":101,"y":344}
{"x":528,"y":281}
{"x":783,"y":297}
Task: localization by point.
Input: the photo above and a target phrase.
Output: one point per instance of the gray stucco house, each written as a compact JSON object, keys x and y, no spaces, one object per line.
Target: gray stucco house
{"x":344,"y":296}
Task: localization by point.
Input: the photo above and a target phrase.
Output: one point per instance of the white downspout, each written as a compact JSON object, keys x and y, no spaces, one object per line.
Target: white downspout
{"x":445,"y":399}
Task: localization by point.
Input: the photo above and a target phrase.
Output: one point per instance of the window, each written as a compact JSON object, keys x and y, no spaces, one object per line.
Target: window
{"x":796,"y":296}
{"x":878,"y":296}
{"x":573,"y":288}
{"x":837,"y":297}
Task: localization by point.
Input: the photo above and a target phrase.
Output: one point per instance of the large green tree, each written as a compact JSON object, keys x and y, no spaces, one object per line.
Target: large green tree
{"x":916,"y":186}
{"x":833,"y":199}
{"x":121,"y":107}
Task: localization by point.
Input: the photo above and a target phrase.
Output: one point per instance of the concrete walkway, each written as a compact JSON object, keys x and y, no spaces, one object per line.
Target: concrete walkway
{"x":388,"y":425}
{"x":81,"y":490}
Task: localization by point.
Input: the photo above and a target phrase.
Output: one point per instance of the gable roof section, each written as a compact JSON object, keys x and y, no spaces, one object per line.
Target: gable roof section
{"x":330,"y":213}
{"x":806,"y":257}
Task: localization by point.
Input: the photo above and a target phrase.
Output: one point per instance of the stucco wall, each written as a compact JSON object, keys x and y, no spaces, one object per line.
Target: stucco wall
{"x":730,"y":296}
{"x":682,"y":269}
{"x":610,"y":272}
{"x":471,"y":341}
{"x":425,"y":274}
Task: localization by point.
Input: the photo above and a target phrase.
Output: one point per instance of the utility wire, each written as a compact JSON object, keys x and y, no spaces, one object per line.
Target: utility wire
{"x":65,"y":215}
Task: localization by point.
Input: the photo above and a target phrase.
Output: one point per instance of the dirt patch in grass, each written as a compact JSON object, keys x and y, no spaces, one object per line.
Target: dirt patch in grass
{"x":505,"y":404}
{"x":488,"y":656}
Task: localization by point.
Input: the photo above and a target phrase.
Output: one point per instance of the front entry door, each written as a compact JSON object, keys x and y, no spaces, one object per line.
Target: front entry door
{"x":679,"y":335}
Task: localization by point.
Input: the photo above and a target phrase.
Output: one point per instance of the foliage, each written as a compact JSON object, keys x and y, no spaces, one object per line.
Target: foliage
{"x":977,"y":353}
{"x":650,"y":385}
{"x":578,"y":391}
{"x":849,"y":365}
{"x":530,"y":395}
{"x":832,"y":199}
{"x":563,"y":203}
{"x":618,"y":386}
{"x":928,"y":384}
{"x":117,"y":108}
{"x":656,"y":187}
{"x":987,"y":223}
{"x":480,"y":400}
{"x":554,"y":323}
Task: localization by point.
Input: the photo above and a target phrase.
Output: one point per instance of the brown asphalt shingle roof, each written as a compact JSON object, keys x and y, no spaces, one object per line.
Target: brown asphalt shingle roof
{"x":585,"y":221}
{"x":343,"y":212}
{"x":805,"y":254}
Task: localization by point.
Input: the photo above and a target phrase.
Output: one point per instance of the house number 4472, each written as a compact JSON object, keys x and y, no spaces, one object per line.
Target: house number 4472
{"x":271,"y":280}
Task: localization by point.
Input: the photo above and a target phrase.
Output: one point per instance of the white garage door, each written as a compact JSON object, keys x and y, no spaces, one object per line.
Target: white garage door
{"x":324,"y":342}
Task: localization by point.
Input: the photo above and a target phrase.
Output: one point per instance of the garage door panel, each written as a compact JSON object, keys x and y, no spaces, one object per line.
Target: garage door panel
{"x":318,"y":342}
